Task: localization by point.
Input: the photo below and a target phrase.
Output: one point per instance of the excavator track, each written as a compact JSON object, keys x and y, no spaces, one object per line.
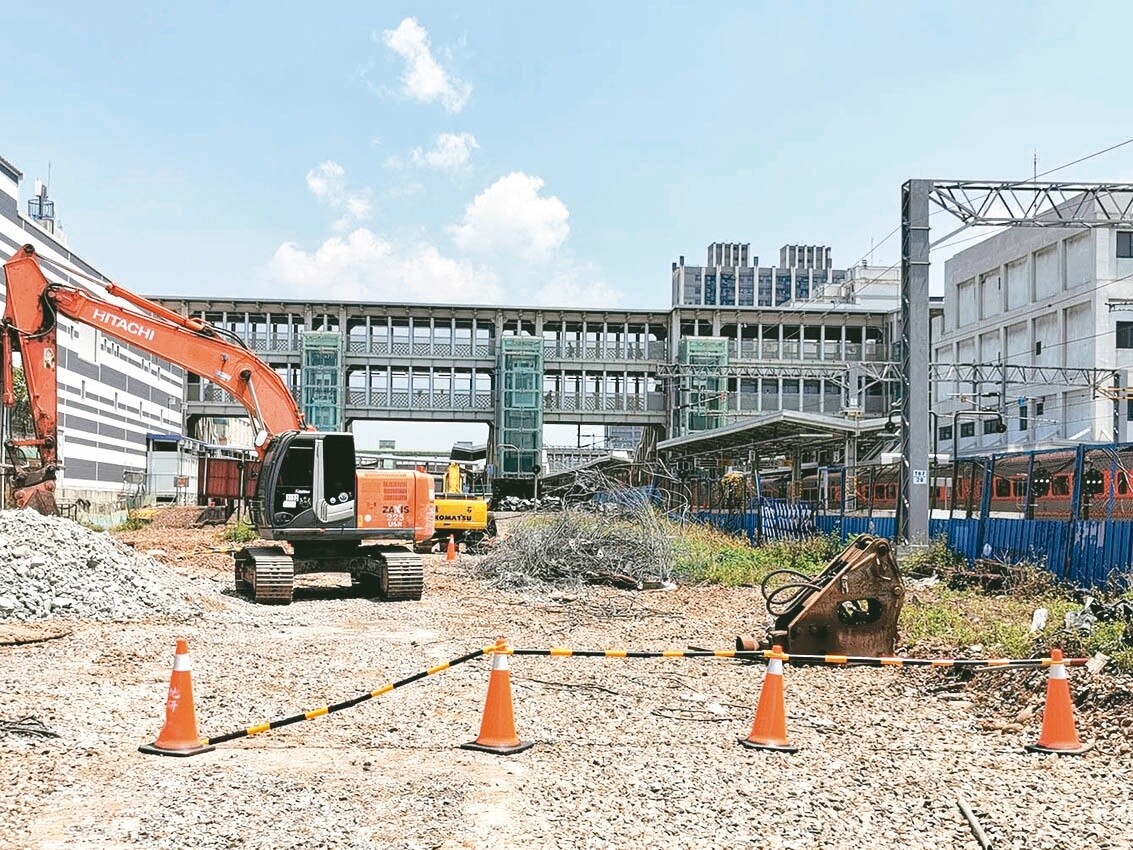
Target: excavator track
{"x":268,"y":572}
{"x":402,"y":576}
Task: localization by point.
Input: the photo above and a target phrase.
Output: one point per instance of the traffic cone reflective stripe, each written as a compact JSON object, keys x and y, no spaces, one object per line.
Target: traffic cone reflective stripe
{"x":1058,"y":733}
{"x":497,"y":729}
{"x":450,"y":553}
{"x":179,"y":736}
{"x":769,"y":731}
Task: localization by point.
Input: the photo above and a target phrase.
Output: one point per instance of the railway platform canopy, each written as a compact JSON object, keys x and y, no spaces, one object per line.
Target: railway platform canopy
{"x":795,"y":434}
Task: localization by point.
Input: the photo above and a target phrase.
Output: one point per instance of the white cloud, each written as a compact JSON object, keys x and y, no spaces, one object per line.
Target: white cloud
{"x":510,"y":232}
{"x":423,"y":78}
{"x":363,"y":266}
{"x":451,"y":151}
{"x":327,"y":182}
{"x":511,"y":216}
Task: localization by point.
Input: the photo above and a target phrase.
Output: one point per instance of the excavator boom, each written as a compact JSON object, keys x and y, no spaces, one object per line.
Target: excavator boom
{"x":309,"y":492}
{"x":30,"y":325}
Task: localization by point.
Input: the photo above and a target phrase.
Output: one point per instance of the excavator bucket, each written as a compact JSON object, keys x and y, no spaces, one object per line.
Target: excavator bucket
{"x":37,"y":497}
{"x":850,"y":608}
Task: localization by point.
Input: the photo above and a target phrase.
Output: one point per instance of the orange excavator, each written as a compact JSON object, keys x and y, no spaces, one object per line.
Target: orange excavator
{"x":326,"y":513}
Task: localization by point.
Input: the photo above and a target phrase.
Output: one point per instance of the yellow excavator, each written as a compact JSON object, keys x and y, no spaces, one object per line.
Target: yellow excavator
{"x":463,"y":516}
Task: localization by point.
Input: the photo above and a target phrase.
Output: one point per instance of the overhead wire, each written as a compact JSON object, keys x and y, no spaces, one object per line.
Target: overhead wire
{"x":939,"y":211}
{"x":1099,"y":285}
{"x":861,"y":286}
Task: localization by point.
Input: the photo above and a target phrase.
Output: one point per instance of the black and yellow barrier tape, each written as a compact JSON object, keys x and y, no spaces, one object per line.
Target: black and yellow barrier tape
{"x":349,"y":703}
{"x":566,"y":652}
{"x":767,"y":654}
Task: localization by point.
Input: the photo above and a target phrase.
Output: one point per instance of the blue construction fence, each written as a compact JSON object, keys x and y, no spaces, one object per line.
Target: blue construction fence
{"x":1086,"y":553}
{"x":766,"y":520}
{"x":1067,"y":510}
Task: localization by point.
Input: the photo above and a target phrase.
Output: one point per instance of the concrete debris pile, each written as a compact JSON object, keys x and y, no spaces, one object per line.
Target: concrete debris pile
{"x":627,"y":548}
{"x":54,"y":567}
{"x":515,"y":504}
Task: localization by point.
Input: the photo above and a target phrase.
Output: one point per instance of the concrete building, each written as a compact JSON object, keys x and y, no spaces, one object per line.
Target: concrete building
{"x":825,"y":348}
{"x":111,"y":395}
{"x":805,"y":276}
{"x":1029,"y":298}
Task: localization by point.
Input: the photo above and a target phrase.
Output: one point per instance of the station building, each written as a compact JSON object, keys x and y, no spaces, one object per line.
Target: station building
{"x":1048,"y":315}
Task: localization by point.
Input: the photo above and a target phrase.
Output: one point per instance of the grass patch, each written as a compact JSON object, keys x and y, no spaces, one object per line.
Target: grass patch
{"x":705,"y":554}
{"x":131,"y":524}
{"x":935,"y":621}
{"x":958,"y":613}
{"x":939,"y":620}
{"x":240,"y":531}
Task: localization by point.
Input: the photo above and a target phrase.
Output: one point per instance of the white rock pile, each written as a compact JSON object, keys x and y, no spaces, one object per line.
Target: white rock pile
{"x":54,"y":567}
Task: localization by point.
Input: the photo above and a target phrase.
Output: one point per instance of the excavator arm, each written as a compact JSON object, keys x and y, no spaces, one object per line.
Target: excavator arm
{"x":30,"y":325}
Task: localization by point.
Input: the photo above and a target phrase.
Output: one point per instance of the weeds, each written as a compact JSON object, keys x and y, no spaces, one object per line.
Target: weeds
{"x":240,"y":531}
{"x":131,"y":524}
{"x":990,"y":607}
{"x":704,"y":554}
{"x":935,"y":559}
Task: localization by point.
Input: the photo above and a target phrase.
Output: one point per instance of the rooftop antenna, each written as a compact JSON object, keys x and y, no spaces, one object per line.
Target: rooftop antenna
{"x":1035,"y":165}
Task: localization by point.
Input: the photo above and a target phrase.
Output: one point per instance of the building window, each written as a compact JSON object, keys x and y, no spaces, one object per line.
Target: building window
{"x":1125,"y":334}
{"x":1038,"y":347}
{"x":967,"y":429}
{"x":991,"y":426}
{"x":946,"y":431}
{"x":1040,"y":406}
{"x":1124,"y":244}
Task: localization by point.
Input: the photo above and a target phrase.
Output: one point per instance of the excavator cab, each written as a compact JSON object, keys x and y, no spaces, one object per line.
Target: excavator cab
{"x":307,"y":481}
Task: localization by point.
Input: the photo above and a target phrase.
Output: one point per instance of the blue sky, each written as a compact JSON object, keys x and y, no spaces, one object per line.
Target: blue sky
{"x":524,"y":153}
{"x":530,"y":153}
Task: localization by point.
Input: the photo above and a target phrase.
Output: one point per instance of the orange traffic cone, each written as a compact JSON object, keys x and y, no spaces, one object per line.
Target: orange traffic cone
{"x":450,"y":553}
{"x":497,"y":729}
{"x":769,"y":731}
{"x":1058,"y":734}
{"x":179,"y":736}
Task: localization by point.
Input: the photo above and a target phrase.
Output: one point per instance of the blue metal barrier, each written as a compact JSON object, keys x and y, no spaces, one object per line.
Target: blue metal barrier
{"x":1087,"y":553}
{"x":765,"y":520}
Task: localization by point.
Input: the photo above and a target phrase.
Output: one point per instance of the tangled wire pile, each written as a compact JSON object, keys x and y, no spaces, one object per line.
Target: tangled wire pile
{"x":617,"y":537}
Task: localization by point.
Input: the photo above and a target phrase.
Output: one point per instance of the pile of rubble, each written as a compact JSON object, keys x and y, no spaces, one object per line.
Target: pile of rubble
{"x":514,"y":504}
{"x":54,"y":567}
{"x":589,"y":544}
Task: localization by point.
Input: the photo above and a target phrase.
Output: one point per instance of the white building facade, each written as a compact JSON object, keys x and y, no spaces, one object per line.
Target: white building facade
{"x":111,"y":395}
{"x":1029,"y":297}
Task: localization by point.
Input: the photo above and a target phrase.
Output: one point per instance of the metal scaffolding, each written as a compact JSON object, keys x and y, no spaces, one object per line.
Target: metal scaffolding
{"x":974,"y":203}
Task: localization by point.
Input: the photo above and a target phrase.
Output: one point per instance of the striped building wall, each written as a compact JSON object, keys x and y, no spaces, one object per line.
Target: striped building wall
{"x":110,"y":394}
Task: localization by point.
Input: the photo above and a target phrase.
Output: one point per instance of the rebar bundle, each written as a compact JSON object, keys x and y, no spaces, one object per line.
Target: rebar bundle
{"x":616,"y":536}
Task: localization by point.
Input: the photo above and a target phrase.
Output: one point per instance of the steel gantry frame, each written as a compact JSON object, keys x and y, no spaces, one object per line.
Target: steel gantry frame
{"x":976,"y":203}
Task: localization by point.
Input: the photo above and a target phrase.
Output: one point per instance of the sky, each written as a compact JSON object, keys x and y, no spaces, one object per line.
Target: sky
{"x":542,"y":154}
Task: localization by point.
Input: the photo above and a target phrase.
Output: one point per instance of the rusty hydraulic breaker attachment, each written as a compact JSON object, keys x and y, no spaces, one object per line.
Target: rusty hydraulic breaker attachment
{"x":850,"y":608}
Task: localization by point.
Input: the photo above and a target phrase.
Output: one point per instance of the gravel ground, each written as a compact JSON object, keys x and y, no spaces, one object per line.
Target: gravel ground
{"x":628,"y":753}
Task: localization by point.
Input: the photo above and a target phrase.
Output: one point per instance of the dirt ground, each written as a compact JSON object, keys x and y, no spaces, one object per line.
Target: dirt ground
{"x":627,"y":753}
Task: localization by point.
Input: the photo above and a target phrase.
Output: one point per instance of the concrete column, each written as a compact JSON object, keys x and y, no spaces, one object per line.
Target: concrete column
{"x":912,"y":508}
{"x":850,"y":473}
